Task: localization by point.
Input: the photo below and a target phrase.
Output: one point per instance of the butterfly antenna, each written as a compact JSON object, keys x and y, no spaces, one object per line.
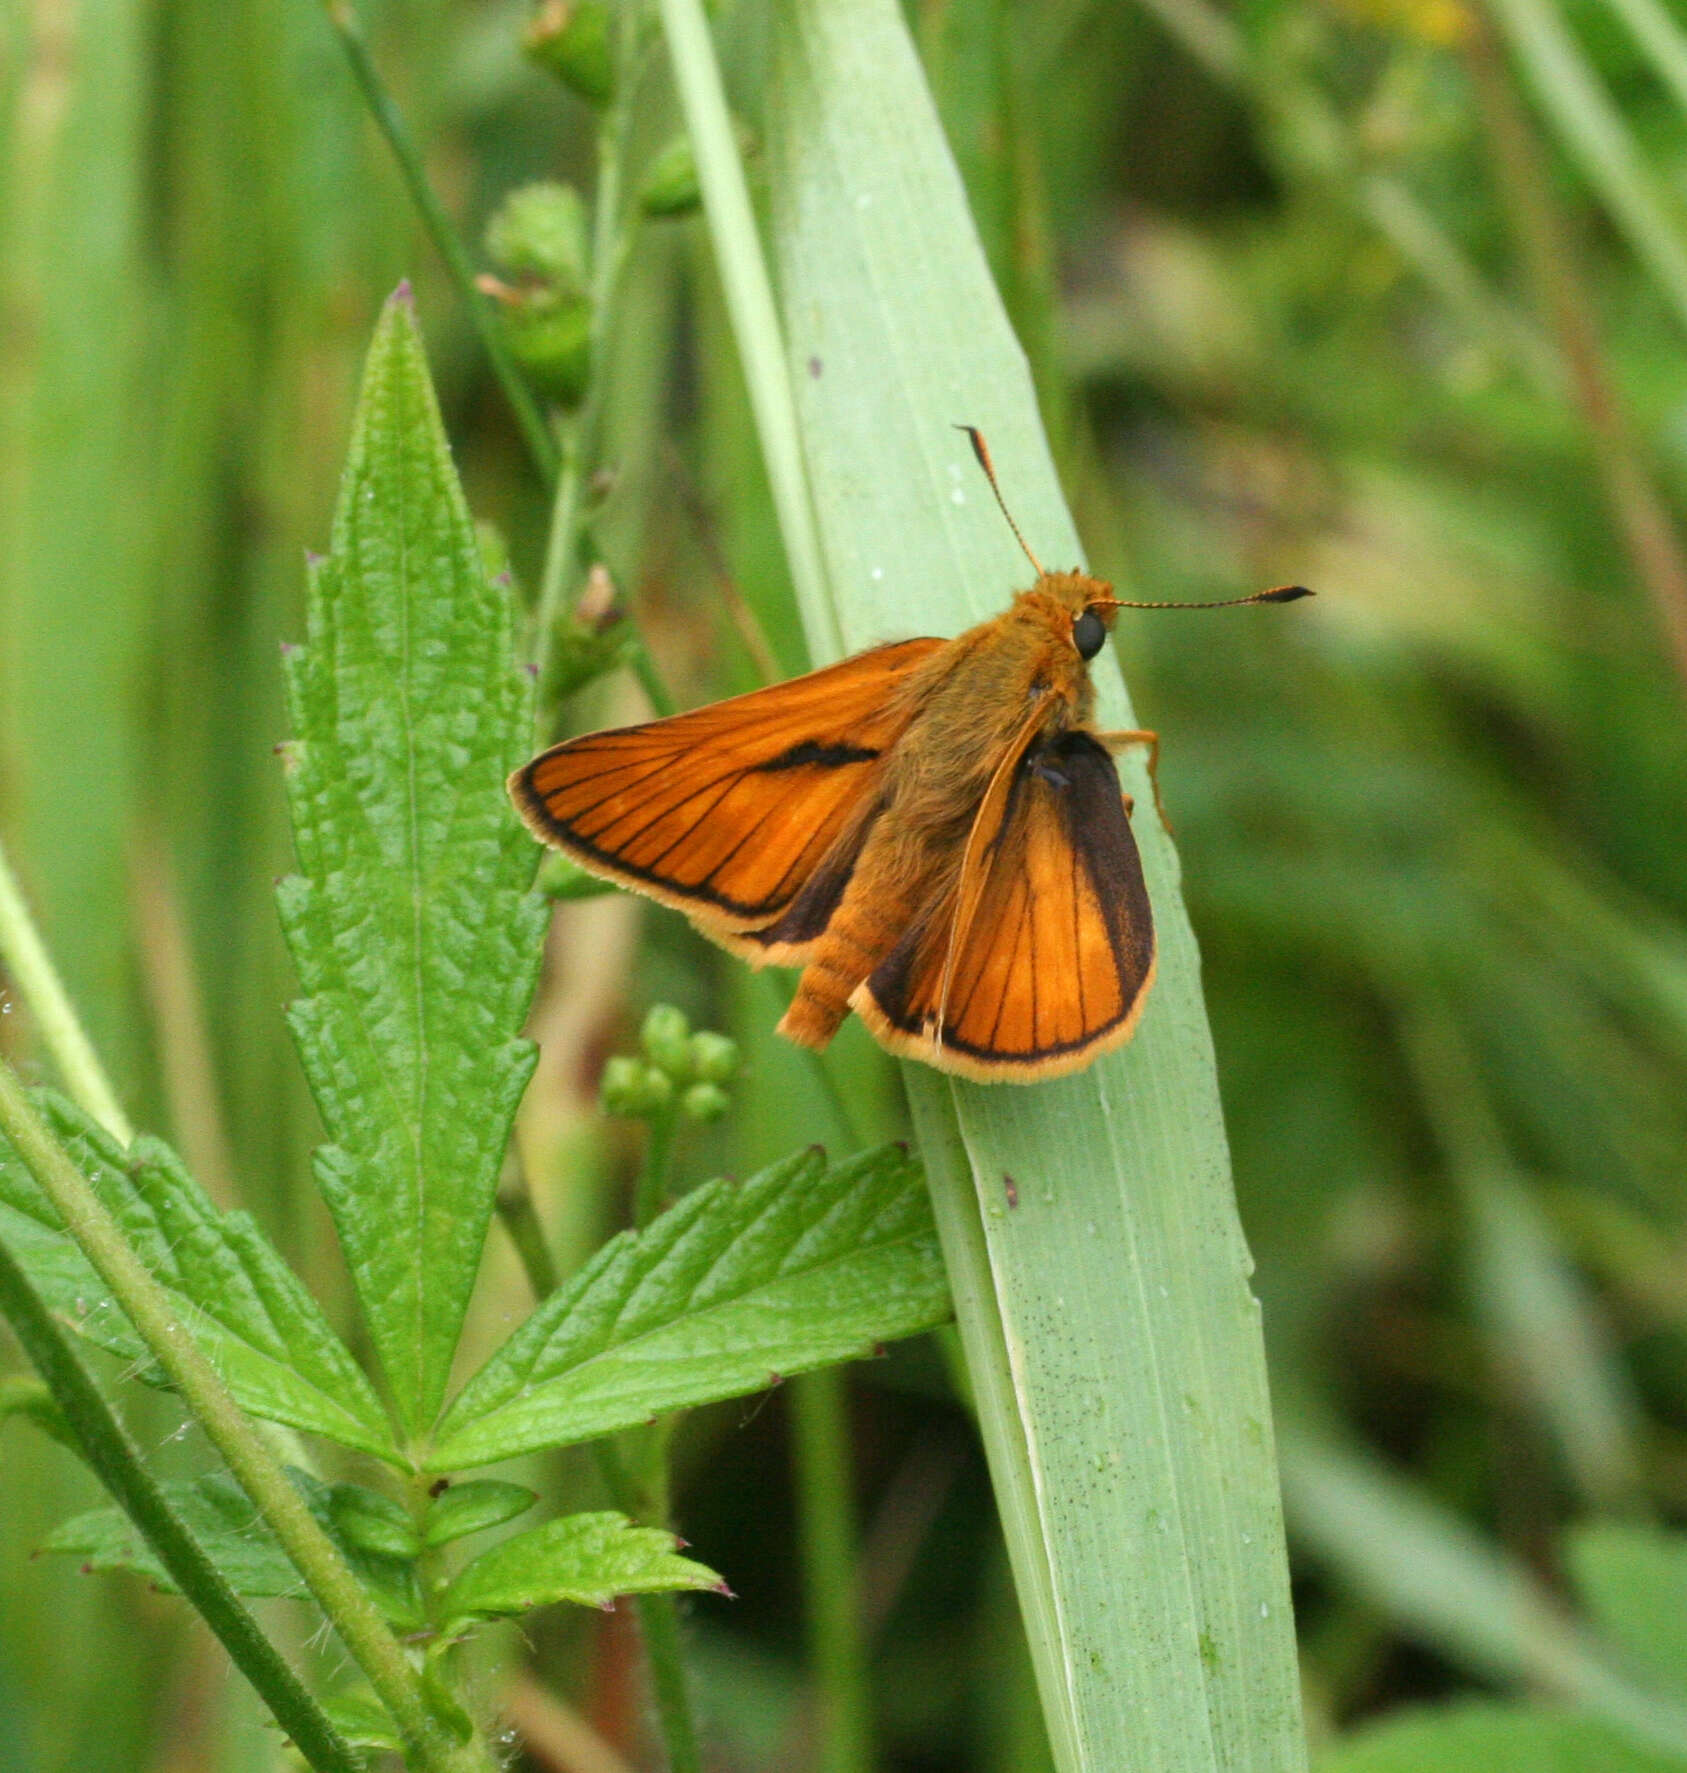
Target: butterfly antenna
{"x":982,"y":450}
{"x":1277,"y":594}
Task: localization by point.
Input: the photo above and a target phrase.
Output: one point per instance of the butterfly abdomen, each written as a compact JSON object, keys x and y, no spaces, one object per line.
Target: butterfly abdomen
{"x":884,"y":895}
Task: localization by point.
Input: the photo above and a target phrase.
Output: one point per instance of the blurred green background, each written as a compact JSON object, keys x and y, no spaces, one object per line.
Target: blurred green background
{"x":1388,"y":297}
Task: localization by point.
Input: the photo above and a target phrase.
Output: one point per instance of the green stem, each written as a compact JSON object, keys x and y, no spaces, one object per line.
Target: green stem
{"x":749,"y":297}
{"x":658,"y":1618}
{"x":390,"y":121}
{"x":41,"y":989}
{"x":521,"y":1221}
{"x":612,"y":236}
{"x":117,"y":1461}
{"x":830,"y":1565}
{"x":658,"y":1161}
{"x":342,"y":1598}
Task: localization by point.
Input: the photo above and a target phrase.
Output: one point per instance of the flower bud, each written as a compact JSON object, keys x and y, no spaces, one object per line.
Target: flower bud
{"x":705,"y":1101}
{"x":634,"y":1089}
{"x":539,"y":232}
{"x":553,"y":345}
{"x":670,"y":185}
{"x":580,"y":654}
{"x":714,"y":1057}
{"x":666,"y":1039}
{"x":570,"y":39}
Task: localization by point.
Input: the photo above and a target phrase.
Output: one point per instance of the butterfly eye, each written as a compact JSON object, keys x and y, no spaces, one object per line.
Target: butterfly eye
{"x":1089,"y":633}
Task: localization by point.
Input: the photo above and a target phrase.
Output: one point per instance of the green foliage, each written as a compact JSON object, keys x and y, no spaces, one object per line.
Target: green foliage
{"x":585,"y":1558}
{"x":1283,"y":321}
{"x":415,"y":937}
{"x":266,"y":1334}
{"x":221,"y":1518}
{"x":472,"y":1507}
{"x":1633,"y":1581}
{"x":728,"y":1291}
{"x":588,"y":1559}
{"x":1496,"y":1739}
{"x":1100,"y":1275}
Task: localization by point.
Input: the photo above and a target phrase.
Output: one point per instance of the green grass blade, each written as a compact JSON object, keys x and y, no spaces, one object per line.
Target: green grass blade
{"x":416,"y":941}
{"x":1107,"y":1315}
{"x":1440,"y":1581}
{"x":1598,"y":138}
{"x":1496,"y":1738}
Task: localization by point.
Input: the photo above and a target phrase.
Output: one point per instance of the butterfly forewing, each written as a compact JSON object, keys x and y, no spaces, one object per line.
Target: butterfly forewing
{"x":727,"y":812}
{"x":1057,"y":950}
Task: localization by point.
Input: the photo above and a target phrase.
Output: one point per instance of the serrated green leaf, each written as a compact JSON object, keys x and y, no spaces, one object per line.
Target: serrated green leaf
{"x":472,"y":1508}
{"x":1632,"y":1579}
{"x":586,"y":1558}
{"x":410,"y":923}
{"x":220,"y":1516}
{"x":248,"y":1310}
{"x":728,"y":1290}
{"x":1496,"y":1739}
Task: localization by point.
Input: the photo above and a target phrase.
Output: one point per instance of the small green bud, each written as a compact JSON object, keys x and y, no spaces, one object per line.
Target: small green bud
{"x":666,"y":1039}
{"x":580,"y":654}
{"x":553,"y":345}
{"x":714,"y":1057}
{"x":570,"y":39}
{"x":632,"y":1088}
{"x":670,"y":185}
{"x":539,"y":231}
{"x":705,"y":1101}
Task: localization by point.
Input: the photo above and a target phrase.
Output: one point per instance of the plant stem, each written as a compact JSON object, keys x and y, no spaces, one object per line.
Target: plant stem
{"x":521,"y":1220}
{"x":658,"y":1619}
{"x":447,"y":242}
{"x":117,"y":1461}
{"x":658,"y":1160}
{"x":342,"y":1598}
{"x":830,"y":1565}
{"x":612,"y":235}
{"x":40,"y":987}
{"x":749,"y":296}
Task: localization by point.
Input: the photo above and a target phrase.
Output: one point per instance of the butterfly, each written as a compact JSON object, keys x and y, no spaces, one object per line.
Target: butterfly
{"x":933,"y":831}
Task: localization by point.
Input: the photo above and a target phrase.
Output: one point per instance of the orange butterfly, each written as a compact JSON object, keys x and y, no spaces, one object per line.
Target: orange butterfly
{"x":932,"y":830}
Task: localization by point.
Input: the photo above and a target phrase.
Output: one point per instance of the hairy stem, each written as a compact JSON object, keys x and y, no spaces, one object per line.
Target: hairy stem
{"x":32,"y":970}
{"x":342,"y":1598}
{"x":447,"y":242}
{"x":117,"y":1461}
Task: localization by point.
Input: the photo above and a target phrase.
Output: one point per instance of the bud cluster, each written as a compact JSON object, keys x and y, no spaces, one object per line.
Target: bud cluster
{"x":676,"y":1069}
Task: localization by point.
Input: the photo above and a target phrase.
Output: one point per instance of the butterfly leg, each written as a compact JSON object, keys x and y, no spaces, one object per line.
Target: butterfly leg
{"x":1115,"y":741}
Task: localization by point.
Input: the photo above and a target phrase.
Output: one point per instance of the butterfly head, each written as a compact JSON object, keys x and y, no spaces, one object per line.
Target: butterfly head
{"x":1075,"y":611}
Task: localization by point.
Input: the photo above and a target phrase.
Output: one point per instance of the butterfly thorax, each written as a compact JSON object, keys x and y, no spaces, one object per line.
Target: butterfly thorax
{"x":973,"y":699}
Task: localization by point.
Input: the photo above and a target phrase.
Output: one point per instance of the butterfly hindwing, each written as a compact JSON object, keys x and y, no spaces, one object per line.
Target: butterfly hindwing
{"x":1054,"y":958}
{"x":728,"y":812}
